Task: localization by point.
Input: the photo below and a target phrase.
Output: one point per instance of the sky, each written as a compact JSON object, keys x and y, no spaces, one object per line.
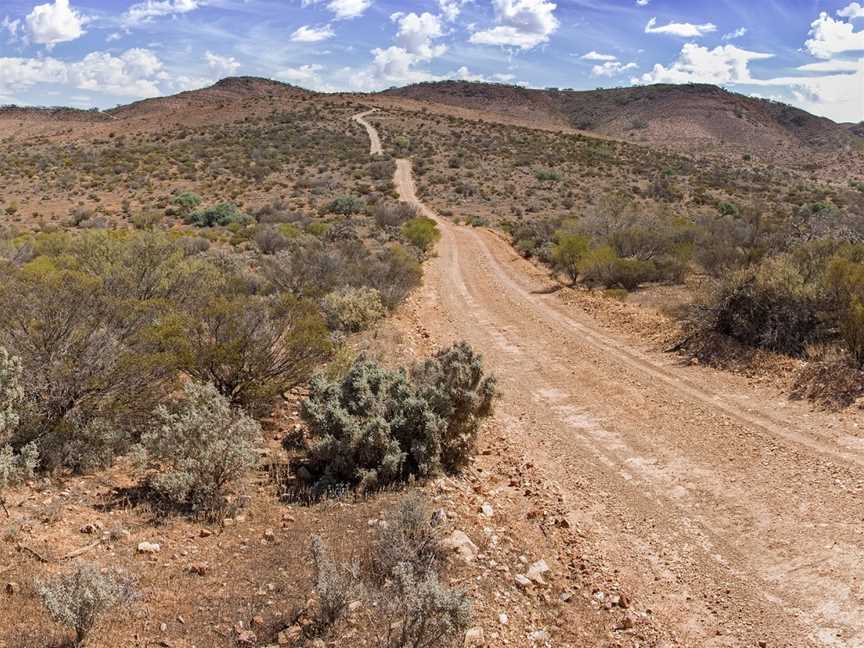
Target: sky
{"x":100,"y":53}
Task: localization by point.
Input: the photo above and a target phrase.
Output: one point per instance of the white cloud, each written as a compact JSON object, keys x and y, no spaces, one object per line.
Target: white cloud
{"x":684,"y":30}
{"x":833,"y":65}
{"x":643,"y":3}
{"x":306,"y":75}
{"x":697,"y":64}
{"x":738,"y":33}
{"x":144,"y":12}
{"x":520,"y":23}
{"x":612,"y":68}
{"x":135,"y":74}
{"x":222,"y":66}
{"x":450,"y":9}
{"x":12,"y":26}
{"x":49,"y":24}
{"x":597,"y":56}
{"x":852,"y":11}
{"x":829,"y":37}
{"x":308,"y":34}
{"x":416,"y":33}
{"x":343,"y":9}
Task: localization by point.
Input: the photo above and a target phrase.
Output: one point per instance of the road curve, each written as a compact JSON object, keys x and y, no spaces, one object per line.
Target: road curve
{"x":735,"y":514}
{"x":374,"y":139}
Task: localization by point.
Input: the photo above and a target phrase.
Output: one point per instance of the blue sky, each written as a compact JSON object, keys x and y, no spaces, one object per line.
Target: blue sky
{"x":100,"y":53}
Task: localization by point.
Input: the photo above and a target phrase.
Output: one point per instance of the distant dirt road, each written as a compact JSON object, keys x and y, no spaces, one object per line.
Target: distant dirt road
{"x":374,"y":140}
{"x":734,"y":514}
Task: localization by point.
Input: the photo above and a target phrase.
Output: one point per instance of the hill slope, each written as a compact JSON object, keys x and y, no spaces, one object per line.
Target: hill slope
{"x":683,"y":116}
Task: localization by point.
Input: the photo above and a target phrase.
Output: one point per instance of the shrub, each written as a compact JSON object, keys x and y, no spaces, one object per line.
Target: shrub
{"x":547,"y":175}
{"x":421,"y":232}
{"x":78,"y":599}
{"x":419,"y":611}
{"x":771,"y":307}
{"x":186,"y":202}
{"x":353,"y":309}
{"x":250,"y":347}
{"x":270,"y":239}
{"x":568,"y":254}
{"x":224,"y":214}
{"x":603,"y":267}
{"x":409,"y":538}
{"x":336,"y":585}
{"x":345,"y":205}
{"x":202,"y":445}
{"x":10,"y":391}
{"x":378,"y":426}
{"x":393,"y":214}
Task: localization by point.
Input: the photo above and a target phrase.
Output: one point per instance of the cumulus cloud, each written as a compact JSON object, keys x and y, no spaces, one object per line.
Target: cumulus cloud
{"x":343,"y":9}
{"x":416,"y":33}
{"x":305,"y":75}
{"x":519,"y":23}
{"x":144,"y":12}
{"x":683,"y":30}
{"x":222,"y":66}
{"x":643,"y":3}
{"x":135,"y":74}
{"x":309,"y":34}
{"x":612,"y":68}
{"x":852,"y":11}
{"x":597,"y":56}
{"x":829,"y":37}
{"x":52,"y":23}
{"x":697,"y":64}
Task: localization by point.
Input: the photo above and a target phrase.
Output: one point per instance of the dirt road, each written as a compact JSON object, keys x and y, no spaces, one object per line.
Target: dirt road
{"x":734,"y":514}
{"x":374,"y":140}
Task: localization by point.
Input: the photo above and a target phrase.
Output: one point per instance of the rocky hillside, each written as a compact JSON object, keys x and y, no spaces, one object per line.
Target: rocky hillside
{"x":684,"y":116}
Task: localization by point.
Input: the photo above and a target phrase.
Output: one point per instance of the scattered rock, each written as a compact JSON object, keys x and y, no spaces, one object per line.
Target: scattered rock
{"x":205,"y":533}
{"x":91,"y":528}
{"x":486,"y":509}
{"x":537,"y":570}
{"x":12,"y":588}
{"x":503,"y":619}
{"x":269,"y":535}
{"x":246,"y":638}
{"x":522,"y":581}
{"x":474,"y":637}
{"x":149,"y":547}
{"x":290,"y":636}
{"x":199,"y":568}
{"x":460,"y":544}
{"x":565,"y":597}
{"x":538,"y":635}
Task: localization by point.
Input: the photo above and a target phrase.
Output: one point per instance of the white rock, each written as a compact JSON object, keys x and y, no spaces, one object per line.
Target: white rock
{"x":474,"y":637}
{"x":522,"y":581}
{"x":461,"y":544}
{"x":503,"y":619}
{"x":537,"y":570}
{"x":487,"y":510}
{"x":539,"y":635}
{"x":149,"y":547}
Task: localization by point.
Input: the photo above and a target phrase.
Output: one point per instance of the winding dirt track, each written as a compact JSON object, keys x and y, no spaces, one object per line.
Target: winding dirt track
{"x":733,"y":513}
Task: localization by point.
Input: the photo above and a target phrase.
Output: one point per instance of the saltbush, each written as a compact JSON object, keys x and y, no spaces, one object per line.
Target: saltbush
{"x":378,"y":426}
{"x":199,"y":448}
{"x":224,"y":214}
{"x":352,"y":309}
{"x":421,"y":232}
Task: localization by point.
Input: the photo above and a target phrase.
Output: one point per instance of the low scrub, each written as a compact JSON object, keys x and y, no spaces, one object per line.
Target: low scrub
{"x":352,"y":310}
{"x":378,"y":426}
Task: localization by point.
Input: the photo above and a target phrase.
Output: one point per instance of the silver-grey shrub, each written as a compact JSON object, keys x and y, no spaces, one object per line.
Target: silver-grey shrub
{"x":352,"y":310}
{"x":199,"y":447}
{"x":78,"y":599}
{"x":377,"y":426}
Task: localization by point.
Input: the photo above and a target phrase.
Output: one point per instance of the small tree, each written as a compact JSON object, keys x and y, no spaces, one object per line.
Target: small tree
{"x":202,"y":445}
{"x":568,"y":253}
{"x":78,"y":599}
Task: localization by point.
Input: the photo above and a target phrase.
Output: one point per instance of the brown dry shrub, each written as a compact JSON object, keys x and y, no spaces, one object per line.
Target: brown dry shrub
{"x":831,"y":378}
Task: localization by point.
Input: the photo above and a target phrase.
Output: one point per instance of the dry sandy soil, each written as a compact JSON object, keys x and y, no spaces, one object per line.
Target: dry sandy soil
{"x":731,"y":513}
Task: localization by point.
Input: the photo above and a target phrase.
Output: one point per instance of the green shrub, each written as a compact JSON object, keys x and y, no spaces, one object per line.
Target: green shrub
{"x":78,"y":599}
{"x":602,"y":267}
{"x":421,"y":232}
{"x":200,"y":447}
{"x":345,"y":205}
{"x":352,"y":309}
{"x":11,"y":392}
{"x":250,"y":347}
{"x":568,"y":253}
{"x":547,"y":175}
{"x":186,"y":202}
{"x":378,"y":426}
{"x":224,"y":214}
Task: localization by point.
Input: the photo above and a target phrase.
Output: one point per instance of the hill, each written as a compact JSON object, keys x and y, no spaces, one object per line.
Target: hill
{"x":691,"y":117}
